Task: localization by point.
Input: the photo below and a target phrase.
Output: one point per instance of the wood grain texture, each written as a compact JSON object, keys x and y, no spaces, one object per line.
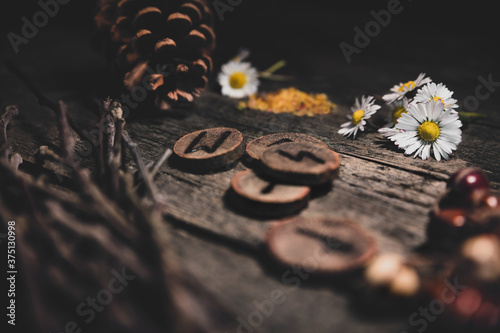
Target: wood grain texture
{"x":256,"y":147}
{"x":321,"y":245}
{"x":379,"y":188}
{"x":256,"y":196}
{"x":300,"y":163}
{"x":210,"y":148}
{"x":376,"y":181}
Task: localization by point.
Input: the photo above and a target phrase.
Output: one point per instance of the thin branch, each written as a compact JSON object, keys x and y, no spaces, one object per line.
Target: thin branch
{"x":154,"y":167}
{"x":110,"y":137}
{"x":134,"y":150}
{"x":44,"y":152}
{"x":99,"y":233}
{"x":102,"y":204}
{"x":15,"y":161}
{"x":67,"y":140}
{"x":42,"y":99}
{"x":159,"y":163}
{"x":10,"y":112}
{"x":116,"y":155}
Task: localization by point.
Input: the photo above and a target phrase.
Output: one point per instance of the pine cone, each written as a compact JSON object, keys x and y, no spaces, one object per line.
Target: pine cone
{"x":163,"y":46}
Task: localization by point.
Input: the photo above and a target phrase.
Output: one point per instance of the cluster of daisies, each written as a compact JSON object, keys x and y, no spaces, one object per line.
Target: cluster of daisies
{"x":423,"y":125}
{"x":422,"y":121}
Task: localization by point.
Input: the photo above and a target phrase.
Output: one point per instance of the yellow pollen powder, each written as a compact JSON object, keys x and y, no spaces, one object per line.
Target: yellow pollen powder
{"x":357,"y":116}
{"x":290,"y":100}
{"x":237,"y":80}
{"x":428,"y":131}
{"x":397,"y":113}
{"x":410,"y":85}
{"x":438,"y":99}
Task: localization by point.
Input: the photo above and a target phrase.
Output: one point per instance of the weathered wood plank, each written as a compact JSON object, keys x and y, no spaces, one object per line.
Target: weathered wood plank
{"x":480,"y":144}
{"x":372,"y":172}
{"x":248,"y":278}
{"x":381,"y":197}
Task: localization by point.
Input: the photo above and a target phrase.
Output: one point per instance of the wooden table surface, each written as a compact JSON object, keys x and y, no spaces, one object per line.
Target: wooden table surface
{"x":378,"y":187}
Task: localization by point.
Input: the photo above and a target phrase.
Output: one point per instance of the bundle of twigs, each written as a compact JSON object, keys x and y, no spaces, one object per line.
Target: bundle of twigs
{"x":98,"y":258}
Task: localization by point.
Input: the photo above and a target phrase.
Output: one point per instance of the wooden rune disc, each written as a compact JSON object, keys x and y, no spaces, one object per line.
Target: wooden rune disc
{"x":321,"y":245}
{"x":256,"y":147}
{"x":210,"y":148}
{"x":300,"y":163}
{"x":257,"y":196}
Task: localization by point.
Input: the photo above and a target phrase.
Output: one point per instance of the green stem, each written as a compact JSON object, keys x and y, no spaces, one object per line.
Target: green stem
{"x":280,"y":64}
{"x":471,"y":115}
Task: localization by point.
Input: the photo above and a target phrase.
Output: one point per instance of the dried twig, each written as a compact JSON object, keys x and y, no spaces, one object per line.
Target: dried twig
{"x":42,"y":99}
{"x":110,"y":128}
{"x":148,"y":182}
{"x":67,"y":140}
{"x":154,"y":167}
{"x":159,"y":163}
{"x":79,"y":237}
{"x":100,"y":234}
{"x":44,"y":152}
{"x":15,"y":161}
{"x":116,"y":156}
{"x":10,"y":111}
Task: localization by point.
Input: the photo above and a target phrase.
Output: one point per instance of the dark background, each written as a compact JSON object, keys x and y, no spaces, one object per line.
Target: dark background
{"x":427,"y":36}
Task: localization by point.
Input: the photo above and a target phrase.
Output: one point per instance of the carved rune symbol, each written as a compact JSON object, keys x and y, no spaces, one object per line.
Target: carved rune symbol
{"x":301,"y":155}
{"x":192,"y":146}
{"x":268,"y":188}
{"x":280,"y":142}
{"x":329,"y":243}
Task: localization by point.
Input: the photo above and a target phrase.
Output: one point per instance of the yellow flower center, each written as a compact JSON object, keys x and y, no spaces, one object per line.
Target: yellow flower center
{"x":397,"y":113}
{"x":357,"y":117}
{"x":237,"y":80}
{"x":428,"y":131}
{"x":410,"y":85}
{"x":438,"y":99}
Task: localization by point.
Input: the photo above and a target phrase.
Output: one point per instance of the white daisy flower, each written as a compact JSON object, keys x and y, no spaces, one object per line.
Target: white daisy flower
{"x":388,"y":132}
{"x":401,"y":89}
{"x":238,"y":79}
{"x":397,"y":107}
{"x":361,"y":110}
{"x":436,"y":92}
{"x":427,"y":127}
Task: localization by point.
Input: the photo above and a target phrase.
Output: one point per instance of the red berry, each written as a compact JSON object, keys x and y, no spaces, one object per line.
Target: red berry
{"x":453,"y":218}
{"x":468,"y":180}
{"x":467,"y":303}
{"x":447,"y":226}
{"x":488,"y":315}
{"x":490,"y":201}
{"x":476,"y":198}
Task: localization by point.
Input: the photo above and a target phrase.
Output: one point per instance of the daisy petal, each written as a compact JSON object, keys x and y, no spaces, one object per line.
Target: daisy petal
{"x":426,"y":152}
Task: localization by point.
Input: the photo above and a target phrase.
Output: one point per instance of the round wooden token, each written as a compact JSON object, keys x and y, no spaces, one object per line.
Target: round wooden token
{"x":256,"y":147}
{"x":261,"y":197}
{"x":300,"y":163}
{"x":210,"y":148}
{"x":321,"y":245}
